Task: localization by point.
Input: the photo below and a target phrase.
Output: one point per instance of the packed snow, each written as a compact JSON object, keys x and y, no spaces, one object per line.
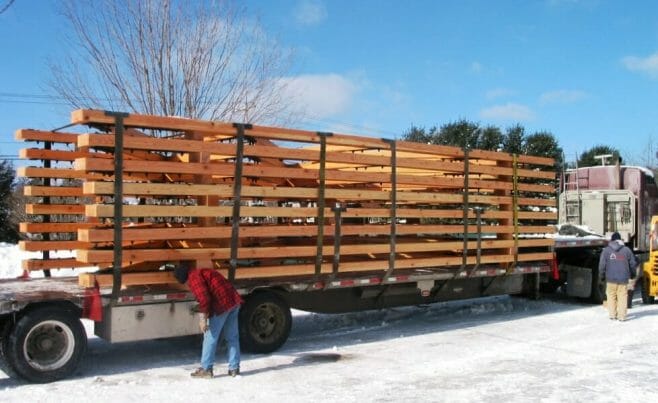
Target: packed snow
{"x":486,"y":350}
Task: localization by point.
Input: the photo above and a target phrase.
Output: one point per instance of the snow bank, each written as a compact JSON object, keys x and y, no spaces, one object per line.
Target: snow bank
{"x":11,"y":257}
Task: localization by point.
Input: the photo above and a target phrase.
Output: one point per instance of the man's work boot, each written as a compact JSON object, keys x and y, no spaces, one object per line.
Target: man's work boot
{"x":202,"y":373}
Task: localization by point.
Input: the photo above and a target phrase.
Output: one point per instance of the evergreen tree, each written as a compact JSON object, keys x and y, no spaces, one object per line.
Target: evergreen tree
{"x":8,"y":226}
{"x":544,"y":144}
{"x":588,"y":158}
{"x":491,"y":139}
{"x":514,"y":140}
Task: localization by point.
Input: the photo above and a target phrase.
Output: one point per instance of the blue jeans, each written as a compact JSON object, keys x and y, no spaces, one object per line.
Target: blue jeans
{"x":229,"y":322}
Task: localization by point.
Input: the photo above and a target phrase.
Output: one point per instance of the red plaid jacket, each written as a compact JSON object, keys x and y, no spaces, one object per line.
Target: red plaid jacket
{"x":214,"y":293}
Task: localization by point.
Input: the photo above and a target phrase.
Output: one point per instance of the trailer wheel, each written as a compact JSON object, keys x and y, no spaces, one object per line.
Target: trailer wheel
{"x":646,"y":298}
{"x":45,"y":345}
{"x":265,"y":322}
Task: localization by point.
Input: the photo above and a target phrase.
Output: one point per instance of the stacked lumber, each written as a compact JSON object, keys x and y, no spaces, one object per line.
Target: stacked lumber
{"x":262,"y":202}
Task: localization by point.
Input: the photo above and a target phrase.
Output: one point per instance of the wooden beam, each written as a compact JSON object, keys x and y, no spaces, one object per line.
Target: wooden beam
{"x":54,"y":155}
{"x":105,"y":280}
{"x":359,"y":160}
{"x":62,"y":191}
{"x":54,"y":209}
{"x":274,"y":231}
{"x":149,"y":255}
{"x":40,"y":135}
{"x":276,"y":133}
{"x":34,"y":172}
{"x":88,"y":280}
{"x":48,"y":264}
{"x":36,"y":246}
{"x":35,"y":228}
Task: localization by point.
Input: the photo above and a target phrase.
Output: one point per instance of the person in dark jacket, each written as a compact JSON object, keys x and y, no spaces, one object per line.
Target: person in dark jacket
{"x":617,"y":266}
{"x":219,"y":304}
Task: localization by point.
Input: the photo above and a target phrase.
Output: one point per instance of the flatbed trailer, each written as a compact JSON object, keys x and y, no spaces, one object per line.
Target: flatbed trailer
{"x":343,"y":223}
{"x":43,"y":339}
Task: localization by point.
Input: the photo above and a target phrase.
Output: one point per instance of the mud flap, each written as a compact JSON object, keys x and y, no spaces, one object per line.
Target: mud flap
{"x":579,"y":281}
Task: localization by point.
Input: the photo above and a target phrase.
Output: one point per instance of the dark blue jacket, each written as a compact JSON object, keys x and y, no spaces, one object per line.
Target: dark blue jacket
{"x":617,"y":263}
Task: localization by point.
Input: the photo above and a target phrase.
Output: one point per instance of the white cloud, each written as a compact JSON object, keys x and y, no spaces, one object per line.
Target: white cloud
{"x":499,"y":93}
{"x":509,"y":111}
{"x":319,"y":95}
{"x":310,"y":12}
{"x":562,"y":97}
{"x":647,"y":65}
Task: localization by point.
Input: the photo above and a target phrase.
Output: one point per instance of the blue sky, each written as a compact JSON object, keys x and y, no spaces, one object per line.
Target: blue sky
{"x":584,"y":70}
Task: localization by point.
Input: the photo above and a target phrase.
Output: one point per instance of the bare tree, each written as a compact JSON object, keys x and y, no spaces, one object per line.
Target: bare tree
{"x":198,"y":59}
{"x":6,"y":6}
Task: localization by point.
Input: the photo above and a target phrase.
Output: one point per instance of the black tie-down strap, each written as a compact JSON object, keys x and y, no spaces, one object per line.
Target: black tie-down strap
{"x":237,"y":197}
{"x":393,"y":212}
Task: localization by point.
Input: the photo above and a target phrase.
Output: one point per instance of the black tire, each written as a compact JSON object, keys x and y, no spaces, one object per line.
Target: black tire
{"x":45,"y":345}
{"x":4,"y":365}
{"x":265,"y":322}
{"x":646,"y":298}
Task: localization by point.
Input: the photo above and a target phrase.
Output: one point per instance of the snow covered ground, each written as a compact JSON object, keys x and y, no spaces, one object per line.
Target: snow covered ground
{"x":486,"y":350}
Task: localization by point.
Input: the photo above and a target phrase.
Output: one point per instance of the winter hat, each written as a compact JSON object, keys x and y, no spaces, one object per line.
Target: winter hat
{"x":181,"y":272}
{"x":615,"y":236}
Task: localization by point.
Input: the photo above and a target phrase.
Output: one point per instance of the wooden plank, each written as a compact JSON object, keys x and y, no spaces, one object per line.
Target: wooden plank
{"x":276,"y":133}
{"x":150,"y":255}
{"x":105,"y":280}
{"x":61,"y":173}
{"x":90,"y":117}
{"x":273,"y":231}
{"x":48,"y":264}
{"x":54,"y":209}
{"x":106,"y":211}
{"x":382,"y":265}
{"x":227,"y":170}
{"x":61,"y":191}
{"x":34,"y":228}
{"x":229,"y":150}
{"x":34,"y":172}
{"x":158,"y":189}
{"x":265,"y":192}
{"x":357,"y":170}
{"x":36,"y":246}
{"x":54,"y":155}
{"x":40,"y":135}
{"x":88,"y":280}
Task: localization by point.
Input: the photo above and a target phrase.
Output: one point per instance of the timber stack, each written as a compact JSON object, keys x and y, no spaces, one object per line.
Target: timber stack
{"x":256,"y":202}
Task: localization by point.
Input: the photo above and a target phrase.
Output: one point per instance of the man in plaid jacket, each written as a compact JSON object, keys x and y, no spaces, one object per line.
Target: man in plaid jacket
{"x":219,"y":304}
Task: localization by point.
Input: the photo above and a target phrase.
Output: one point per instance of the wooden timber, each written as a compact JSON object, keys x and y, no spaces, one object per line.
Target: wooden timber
{"x":87,"y":280}
{"x":106,"y":235}
{"x":354,"y":160}
{"x":179,"y":192}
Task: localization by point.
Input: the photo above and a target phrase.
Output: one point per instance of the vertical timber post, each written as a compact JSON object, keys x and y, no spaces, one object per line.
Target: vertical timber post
{"x":118,"y":202}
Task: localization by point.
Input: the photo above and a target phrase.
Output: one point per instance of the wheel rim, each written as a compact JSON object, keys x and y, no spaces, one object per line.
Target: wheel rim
{"x":49,"y":345}
{"x":266,"y":323}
